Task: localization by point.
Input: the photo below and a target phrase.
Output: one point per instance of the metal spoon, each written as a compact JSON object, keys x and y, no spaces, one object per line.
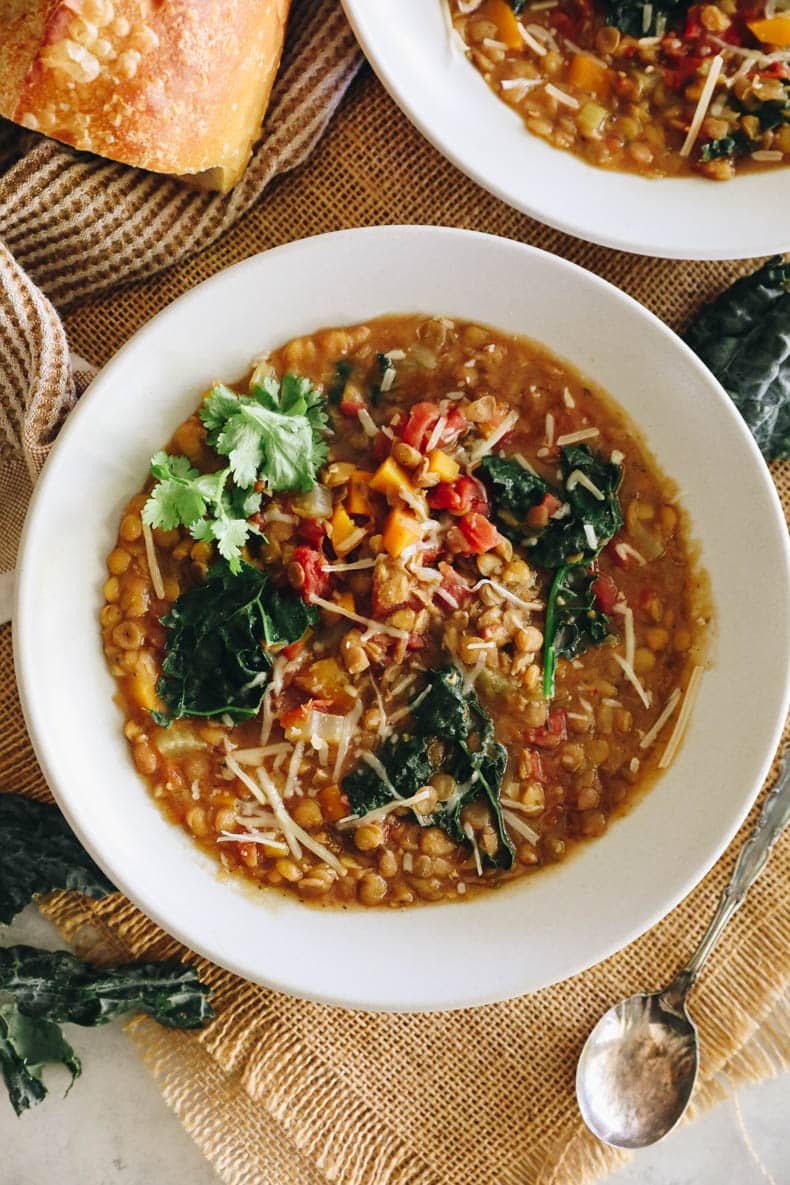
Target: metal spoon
{"x":638,"y":1066}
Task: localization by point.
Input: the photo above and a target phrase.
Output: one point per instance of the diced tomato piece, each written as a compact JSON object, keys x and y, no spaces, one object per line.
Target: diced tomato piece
{"x":422,"y":417}
{"x":456,"y":424}
{"x":351,"y":401}
{"x":381,"y":446}
{"x":316,"y":580}
{"x":453,"y":584}
{"x":553,"y":732}
{"x":479,"y":532}
{"x":292,"y":649}
{"x":312,"y":531}
{"x":694,"y":26}
{"x":537,"y":772}
{"x":605,"y":592}
{"x":417,"y":642}
{"x":465,"y":495}
{"x":301,"y":713}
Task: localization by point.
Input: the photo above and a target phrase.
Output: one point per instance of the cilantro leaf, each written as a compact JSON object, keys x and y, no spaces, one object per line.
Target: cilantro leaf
{"x":275,"y":434}
{"x":176,"y":498}
{"x":183,"y":497}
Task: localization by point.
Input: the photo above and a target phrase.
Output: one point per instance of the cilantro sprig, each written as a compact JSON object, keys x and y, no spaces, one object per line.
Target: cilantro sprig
{"x":184,"y":496}
{"x":273,"y":436}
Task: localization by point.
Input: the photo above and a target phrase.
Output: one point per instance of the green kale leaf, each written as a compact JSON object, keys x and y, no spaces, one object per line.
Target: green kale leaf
{"x":744,"y":338}
{"x":451,"y":733}
{"x":737,"y":144}
{"x":573,"y":620}
{"x":343,"y":370}
{"x":216,"y":661}
{"x":26,"y":1046}
{"x":53,"y":985}
{"x":641,"y":18}
{"x":275,"y":434}
{"x":515,"y":490}
{"x":38,"y":853}
{"x":408,"y":767}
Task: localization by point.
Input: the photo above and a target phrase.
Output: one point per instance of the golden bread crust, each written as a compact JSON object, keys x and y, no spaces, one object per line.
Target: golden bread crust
{"x":175,"y":86}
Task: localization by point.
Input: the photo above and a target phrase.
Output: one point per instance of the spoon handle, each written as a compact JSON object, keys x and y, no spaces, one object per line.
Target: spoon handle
{"x":772,"y":820}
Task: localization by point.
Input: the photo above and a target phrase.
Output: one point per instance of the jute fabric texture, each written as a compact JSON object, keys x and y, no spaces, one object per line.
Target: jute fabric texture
{"x":277,"y":1091}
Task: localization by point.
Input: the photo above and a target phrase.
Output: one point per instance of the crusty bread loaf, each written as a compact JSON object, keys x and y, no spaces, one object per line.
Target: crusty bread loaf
{"x":176,"y":86}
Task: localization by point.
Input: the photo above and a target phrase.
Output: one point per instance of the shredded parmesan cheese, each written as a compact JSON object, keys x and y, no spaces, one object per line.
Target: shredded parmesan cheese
{"x":625,"y":550}
{"x":632,"y":678}
{"x":294,"y":834}
{"x":630,"y":639}
{"x":256,"y":756}
{"x":448,"y":598}
{"x":652,"y":733}
{"x":483,"y":447}
{"x":682,"y":721}
{"x":438,"y":428}
{"x":561,"y":97}
{"x":470,"y":835}
{"x":702,"y":105}
{"x":520,"y":827}
{"x":531,"y":42}
{"x":367,"y":421}
{"x":575,"y":437}
{"x":577,"y":478}
{"x":357,"y":566}
{"x":381,"y":812}
{"x":372,"y":760}
{"x":376,"y":627}
{"x":153,"y":563}
{"x":590,"y":536}
{"x":261,"y":837}
{"x":530,"y":606}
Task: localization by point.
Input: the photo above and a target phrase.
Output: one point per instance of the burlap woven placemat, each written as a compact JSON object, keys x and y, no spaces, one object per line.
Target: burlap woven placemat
{"x":280,"y":1092}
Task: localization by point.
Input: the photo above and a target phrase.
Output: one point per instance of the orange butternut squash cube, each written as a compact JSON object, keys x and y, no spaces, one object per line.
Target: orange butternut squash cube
{"x":344,"y":531}
{"x":389,"y":478}
{"x":504,"y":18}
{"x":773,"y":30}
{"x":590,"y":75}
{"x":446,"y":468}
{"x":358,"y":498}
{"x":400,"y":531}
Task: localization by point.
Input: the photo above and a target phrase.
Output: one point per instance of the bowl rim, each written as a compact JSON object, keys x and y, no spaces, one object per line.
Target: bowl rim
{"x":24,"y":637}
{"x":363,"y":18}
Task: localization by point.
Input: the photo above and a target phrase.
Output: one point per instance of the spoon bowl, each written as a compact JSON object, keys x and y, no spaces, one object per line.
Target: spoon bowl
{"x":637,"y":1070}
{"x":639,"y":1064}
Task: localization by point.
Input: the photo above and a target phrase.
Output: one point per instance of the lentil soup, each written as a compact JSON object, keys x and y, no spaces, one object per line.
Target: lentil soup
{"x":659,"y":89}
{"x":407,"y":615}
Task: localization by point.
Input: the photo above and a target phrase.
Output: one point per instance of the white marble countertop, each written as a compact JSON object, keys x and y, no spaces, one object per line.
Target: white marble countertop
{"x":115,"y":1129}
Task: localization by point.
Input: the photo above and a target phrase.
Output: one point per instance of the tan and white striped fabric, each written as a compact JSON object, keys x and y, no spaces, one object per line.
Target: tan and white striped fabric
{"x":80,"y":225}
{"x":277,"y":1091}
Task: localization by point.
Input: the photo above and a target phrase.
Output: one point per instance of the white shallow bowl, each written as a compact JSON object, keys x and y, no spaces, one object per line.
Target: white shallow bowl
{"x":507,"y":942}
{"x":447,"y":100}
